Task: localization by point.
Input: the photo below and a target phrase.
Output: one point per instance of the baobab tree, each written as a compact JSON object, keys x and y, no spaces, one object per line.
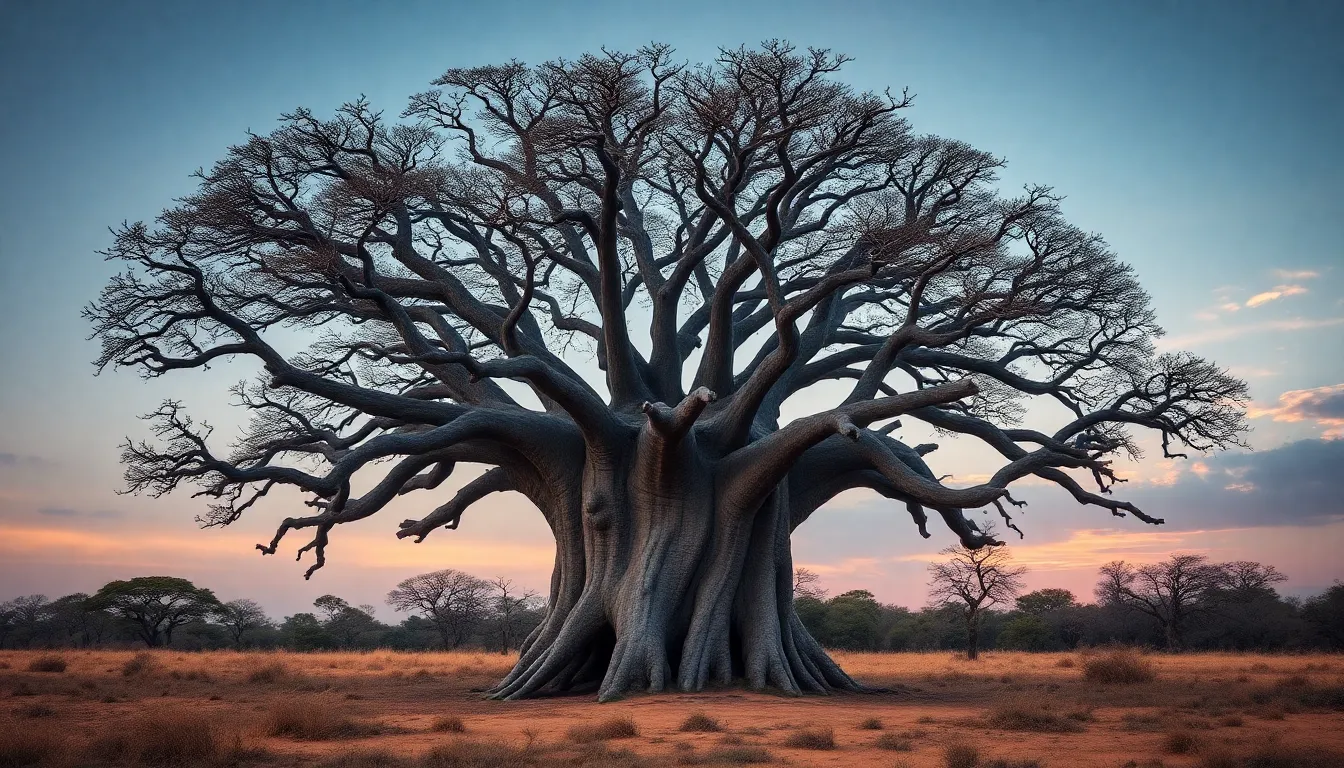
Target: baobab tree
{"x":768,"y":228}
{"x":973,"y":580}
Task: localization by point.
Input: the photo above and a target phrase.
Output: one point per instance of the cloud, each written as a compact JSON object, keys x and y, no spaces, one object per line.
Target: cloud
{"x":1301,"y":274}
{"x":1323,"y":405}
{"x":1274,"y":294}
{"x":58,"y":511}
{"x":100,"y":514}
{"x":1234,"y":332}
{"x":1295,"y":484}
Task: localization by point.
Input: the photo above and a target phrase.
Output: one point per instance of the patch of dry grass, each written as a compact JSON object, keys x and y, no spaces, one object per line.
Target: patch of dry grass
{"x":159,"y":737}
{"x":141,"y":663}
{"x":811,"y":738}
{"x":894,"y":743}
{"x":47,"y":663}
{"x":961,"y":756}
{"x":1022,"y":716}
{"x":871,"y":724}
{"x":612,"y":728}
{"x":448,"y":724}
{"x":699,"y":722}
{"x":314,"y":718}
{"x":1121,"y":666}
{"x":23,"y":745}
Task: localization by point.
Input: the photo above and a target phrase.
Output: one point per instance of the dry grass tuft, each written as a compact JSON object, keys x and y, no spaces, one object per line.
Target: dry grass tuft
{"x":699,"y":722}
{"x":613,"y":728}
{"x":1180,"y":742}
{"x":314,"y":718}
{"x":961,"y":756}
{"x":470,"y":754}
{"x":48,"y":663}
{"x":1119,"y":667}
{"x":34,"y":710}
{"x":1275,"y":756}
{"x":273,"y":672}
{"x":894,"y":743}
{"x":366,"y":758}
{"x":811,"y":738}
{"x":448,"y":724}
{"x":1066,"y":663}
{"x":1006,"y":763}
{"x":871,"y":724}
{"x":140,"y":664}
{"x":22,"y":745}
{"x":158,"y":737}
{"x":1017,"y":716}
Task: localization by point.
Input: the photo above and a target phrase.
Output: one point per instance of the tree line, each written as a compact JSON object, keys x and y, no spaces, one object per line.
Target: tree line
{"x":977,"y":602}
{"x":445,"y":609}
{"x":1185,"y":602}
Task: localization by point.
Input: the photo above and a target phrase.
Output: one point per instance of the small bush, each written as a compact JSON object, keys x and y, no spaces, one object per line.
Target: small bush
{"x":961,"y":756}
{"x":161,"y":737}
{"x":470,"y":754}
{"x":1006,"y":763}
{"x":614,"y":728}
{"x":894,"y":743}
{"x":47,"y":664}
{"x":1232,"y":721}
{"x":34,"y":710}
{"x":1180,"y":742}
{"x":23,"y":689}
{"x":871,"y":724}
{"x":1019,"y":717}
{"x":314,"y":718}
{"x":447,"y":724}
{"x":811,"y":738}
{"x":1065,"y":663}
{"x":22,"y":746}
{"x":140,"y":664}
{"x":268,"y":673}
{"x":699,"y":722}
{"x":1119,"y":667}
{"x":740,"y":755}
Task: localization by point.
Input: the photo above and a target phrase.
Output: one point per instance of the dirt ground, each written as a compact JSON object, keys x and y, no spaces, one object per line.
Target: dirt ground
{"x":384,"y":709}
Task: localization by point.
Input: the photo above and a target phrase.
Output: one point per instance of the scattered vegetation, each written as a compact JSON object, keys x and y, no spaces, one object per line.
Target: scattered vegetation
{"x":272,"y":672}
{"x":160,"y":737}
{"x":140,"y":664}
{"x":811,"y":738}
{"x":314,"y":718}
{"x":699,"y":722}
{"x":1121,"y":666}
{"x":613,"y":728}
{"x":871,"y":724}
{"x":894,"y":742}
{"x":47,"y":664}
{"x":447,"y":724}
{"x":1180,"y":741}
{"x":1019,"y":716}
{"x":961,"y":756}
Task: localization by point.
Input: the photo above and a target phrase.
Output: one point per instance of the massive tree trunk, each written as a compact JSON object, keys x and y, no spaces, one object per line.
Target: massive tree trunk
{"x":663,"y":581}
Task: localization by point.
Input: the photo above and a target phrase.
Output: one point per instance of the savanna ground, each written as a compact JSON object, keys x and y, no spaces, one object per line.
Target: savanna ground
{"x":385,"y":709}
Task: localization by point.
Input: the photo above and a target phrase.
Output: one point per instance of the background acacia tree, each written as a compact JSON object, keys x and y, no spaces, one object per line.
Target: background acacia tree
{"x":238,"y":617}
{"x":157,"y":605}
{"x":769,"y":227}
{"x":1174,"y":590}
{"x":973,"y":581}
{"x":453,"y":601}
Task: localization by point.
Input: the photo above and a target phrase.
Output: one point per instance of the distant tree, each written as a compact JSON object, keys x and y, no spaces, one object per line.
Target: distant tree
{"x":852,"y":620}
{"x":1044,"y":601}
{"x":157,"y":605}
{"x":347,"y":625}
{"x":807,"y":584}
{"x":455,"y":602}
{"x":510,"y":605}
{"x":238,"y":617}
{"x":79,"y":622}
{"x":1244,"y":580}
{"x":305,"y":632}
{"x":27,"y":617}
{"x":331,"y":607}
{"x":1171,"y":592}
{"x":1325,"y":613}
{"x":974,"y":580}
{"x":1026,"y":632}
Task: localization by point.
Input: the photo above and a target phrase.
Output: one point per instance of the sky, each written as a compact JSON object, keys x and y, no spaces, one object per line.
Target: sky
{"x":1200,"y":138}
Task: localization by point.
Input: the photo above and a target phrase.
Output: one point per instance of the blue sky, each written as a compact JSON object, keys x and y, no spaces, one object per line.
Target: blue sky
{"x":1201,"y":138}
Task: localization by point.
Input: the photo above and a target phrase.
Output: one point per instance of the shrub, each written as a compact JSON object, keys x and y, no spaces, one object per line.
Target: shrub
{"x":22,"y":746}
{"x":1019,"y":717}
{"x":34,"y":710}
{"x":1006,"y":763}
{"x":699,"y":722}
{"x":160,"y":737}
{"x":47,"y":664}
{"x":139,"y":664}
{"x":614,"y":728}
{"x":961,"y":756}
{"x":811,"y":738}
{"x":447,"y":724}
{"x":894,"y":743}
{"x":1065,"y":663}
{"x":1180,"y":742}
{"x":23,"y":689}
{"x":1119,"y":667}
{"x":268,"y":673}
{"x":469,"y":754}
{"x":871,"y":724}
{"x":1232,"y":721}
{"x":740,"y":755}
{"x":313,"y":718}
